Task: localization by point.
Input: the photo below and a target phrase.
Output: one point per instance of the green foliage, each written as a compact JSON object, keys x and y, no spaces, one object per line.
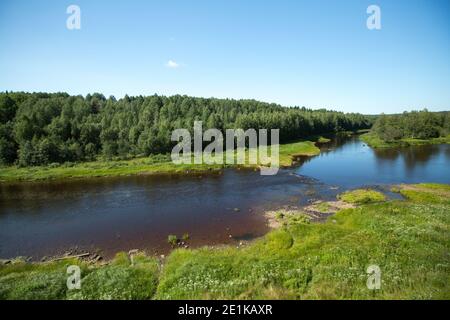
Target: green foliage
{"x":172,"y":239}
{"x":185,"y":236}
{"x":46,"y":128}
{"x":409,"y":128}
{"x":361,"y":196}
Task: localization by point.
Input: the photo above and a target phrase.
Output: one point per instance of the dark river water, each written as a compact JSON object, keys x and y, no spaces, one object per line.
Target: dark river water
{"x":139,"y":212}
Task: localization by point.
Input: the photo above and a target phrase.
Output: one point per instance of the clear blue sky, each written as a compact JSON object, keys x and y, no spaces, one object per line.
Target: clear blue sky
{"x":306,"y":53}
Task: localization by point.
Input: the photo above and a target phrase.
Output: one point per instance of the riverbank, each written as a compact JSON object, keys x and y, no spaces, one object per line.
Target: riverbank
{"x":376,"y":142}
{"x":152,"y":165}
{"x":408,"y":239}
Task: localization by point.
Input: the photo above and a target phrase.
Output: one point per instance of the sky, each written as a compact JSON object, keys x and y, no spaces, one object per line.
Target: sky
{"x":318,"y":54}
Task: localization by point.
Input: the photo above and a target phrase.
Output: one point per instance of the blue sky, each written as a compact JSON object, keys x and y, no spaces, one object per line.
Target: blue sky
{"x":306,"y":53}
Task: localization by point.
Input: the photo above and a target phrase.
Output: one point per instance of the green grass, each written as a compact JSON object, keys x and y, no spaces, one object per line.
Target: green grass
{"x":101,"y":169}
{"x":375,"y":142}
{"x":172,"y":239}
{"x":361,"y":196}
{"x":291,"y":150}
{"x":322,"y":207}
{"x":408,"y":239}
{"x":116,"y":280}
{"x":426,"y":192}
{"x":323,"y":140}
{"x":157,"y":164}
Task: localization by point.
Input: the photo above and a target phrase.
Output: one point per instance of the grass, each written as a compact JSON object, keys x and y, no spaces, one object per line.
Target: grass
{"x":117,"y":280}
{"x":426,"y":192}
{"x":323,"y":140}
{"x":361,"y":196}
{"x":289,"y":151}
{"x":323,"y":207}
{"x":408,"y":239}
{"x":156,"y":164}
{"x":376,"y":142}
{"x":172,"y":239}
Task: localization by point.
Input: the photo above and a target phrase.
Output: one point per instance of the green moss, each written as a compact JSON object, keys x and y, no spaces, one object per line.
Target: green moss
{"x":361,"y":196}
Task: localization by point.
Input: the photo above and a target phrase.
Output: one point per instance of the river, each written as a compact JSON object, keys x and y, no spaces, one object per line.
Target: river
{"x":113,"y":214}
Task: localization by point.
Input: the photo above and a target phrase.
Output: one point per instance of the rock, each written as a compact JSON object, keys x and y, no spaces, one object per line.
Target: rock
{"x":163,"y":256}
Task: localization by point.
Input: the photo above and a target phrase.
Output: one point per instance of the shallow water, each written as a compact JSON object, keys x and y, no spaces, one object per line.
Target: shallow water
{"x":123,"y":213}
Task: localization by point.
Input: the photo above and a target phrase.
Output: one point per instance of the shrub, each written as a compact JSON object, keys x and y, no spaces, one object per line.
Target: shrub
{"x":172,"y":239}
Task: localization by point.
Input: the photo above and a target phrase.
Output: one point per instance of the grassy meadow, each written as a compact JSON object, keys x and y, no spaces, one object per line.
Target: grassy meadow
{"x":155,"y":164}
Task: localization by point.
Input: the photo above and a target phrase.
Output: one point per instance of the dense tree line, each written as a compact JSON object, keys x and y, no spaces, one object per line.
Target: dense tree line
{"x":43,"y":128}
{"x":415,"y":125}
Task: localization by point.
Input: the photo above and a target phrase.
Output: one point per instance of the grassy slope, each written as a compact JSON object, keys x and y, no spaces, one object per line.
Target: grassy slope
{"x":409,"y":241}
{"x":151,"y":165}
{"x":375,"y":142}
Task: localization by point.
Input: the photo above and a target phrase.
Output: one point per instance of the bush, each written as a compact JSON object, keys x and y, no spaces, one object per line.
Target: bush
{"x":172,"y":239}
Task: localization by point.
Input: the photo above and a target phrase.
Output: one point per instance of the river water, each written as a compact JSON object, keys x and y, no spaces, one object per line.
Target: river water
{"x":139,"y":212}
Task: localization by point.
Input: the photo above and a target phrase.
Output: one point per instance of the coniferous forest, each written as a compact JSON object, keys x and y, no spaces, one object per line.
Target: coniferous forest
{"x":45,"y":128}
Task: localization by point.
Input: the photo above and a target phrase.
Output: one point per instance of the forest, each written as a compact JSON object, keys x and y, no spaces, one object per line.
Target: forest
{"x":412,"y":125}
{"x":47,"y":128}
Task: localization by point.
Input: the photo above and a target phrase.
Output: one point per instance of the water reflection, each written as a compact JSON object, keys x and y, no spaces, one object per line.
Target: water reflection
{"x":124,"y":213}
{"x":349,"y":162}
